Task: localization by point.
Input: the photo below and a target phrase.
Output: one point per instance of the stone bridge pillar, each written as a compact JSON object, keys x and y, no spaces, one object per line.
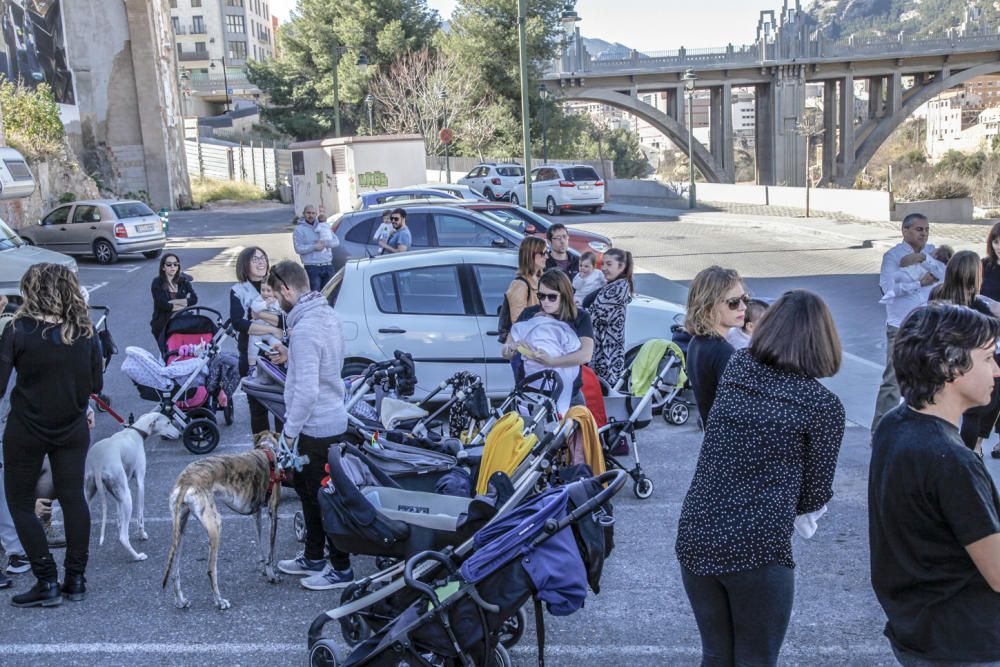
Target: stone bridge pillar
{"x":781,"y":150}
{"x":721,"y":124}
{"x":675,"y":105}
{"x":845,"y":157}
{"x":829,"y":131}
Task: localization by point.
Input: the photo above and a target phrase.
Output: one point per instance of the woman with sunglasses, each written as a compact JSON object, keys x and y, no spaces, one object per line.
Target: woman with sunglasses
{"x":717,"y":302}
{"x":251,"y":268}
{"x":555,"y":296}
{"x":523,"y":290}
{"x":765,"y":470}
{"x":172,"y":291}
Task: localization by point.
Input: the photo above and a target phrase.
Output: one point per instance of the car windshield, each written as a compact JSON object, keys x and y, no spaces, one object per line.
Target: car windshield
{"x":580,"y":174}
{"x":505,"y":218}
{"x":8,"y":237}
{"x":132,"y":209}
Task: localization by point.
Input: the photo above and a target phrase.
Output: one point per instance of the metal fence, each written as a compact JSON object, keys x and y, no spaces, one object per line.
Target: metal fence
{"x":263,"y":166}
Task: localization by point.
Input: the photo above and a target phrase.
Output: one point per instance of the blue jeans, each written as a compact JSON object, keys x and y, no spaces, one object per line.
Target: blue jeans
{"x":319,"y":275}
{"x":742,"y":617}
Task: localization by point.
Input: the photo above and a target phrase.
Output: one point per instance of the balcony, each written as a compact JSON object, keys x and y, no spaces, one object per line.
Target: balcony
{"x":190,"y":30}
{"x":188,"y":56}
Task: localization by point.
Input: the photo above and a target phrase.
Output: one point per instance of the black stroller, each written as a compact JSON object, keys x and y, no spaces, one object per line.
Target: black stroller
{"x":550,"y":547}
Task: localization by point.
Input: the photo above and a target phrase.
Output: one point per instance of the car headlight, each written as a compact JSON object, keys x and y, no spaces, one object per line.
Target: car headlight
{"x":598,"y":246}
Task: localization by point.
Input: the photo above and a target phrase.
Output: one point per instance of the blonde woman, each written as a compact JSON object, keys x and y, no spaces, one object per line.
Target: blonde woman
{"x":717,"y":302}
{"x":522,"y":292}
{"x":52,"y":347}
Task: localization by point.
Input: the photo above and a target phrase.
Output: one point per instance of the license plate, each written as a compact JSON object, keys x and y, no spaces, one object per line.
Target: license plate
{"x":585,"y":187}
{"x":149,"y":227}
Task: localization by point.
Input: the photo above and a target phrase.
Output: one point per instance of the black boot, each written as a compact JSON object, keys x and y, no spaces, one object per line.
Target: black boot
{"x":74,"y":587}
{"x":42,"y":594}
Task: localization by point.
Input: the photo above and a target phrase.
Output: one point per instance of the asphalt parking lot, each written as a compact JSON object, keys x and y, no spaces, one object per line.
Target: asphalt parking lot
{"x":641,"y":617}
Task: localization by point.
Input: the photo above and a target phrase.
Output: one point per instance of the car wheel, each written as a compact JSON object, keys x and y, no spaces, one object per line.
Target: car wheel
{"x":488,"y":193}
{"x":153,"y":254}
{"x":353,"y":368}
{"x":104,"y":252}
{"x":514,"y":200}
{"x":551,"y":208}
{"x":595,"y":209}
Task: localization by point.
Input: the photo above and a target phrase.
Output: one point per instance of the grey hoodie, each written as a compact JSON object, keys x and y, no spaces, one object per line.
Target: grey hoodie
{"x":314,"y":392}
{"x":304,"y":238}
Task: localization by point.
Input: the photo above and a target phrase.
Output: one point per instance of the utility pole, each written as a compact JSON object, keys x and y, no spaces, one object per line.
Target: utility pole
{"x":522,"y":39}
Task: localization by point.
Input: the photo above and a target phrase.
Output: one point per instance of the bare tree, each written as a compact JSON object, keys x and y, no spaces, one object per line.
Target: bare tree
{"x":408,"y":96}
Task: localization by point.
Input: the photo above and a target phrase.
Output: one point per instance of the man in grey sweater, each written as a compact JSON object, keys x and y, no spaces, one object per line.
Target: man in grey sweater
{"x":314,"y":413}
{"x":313,"y":241}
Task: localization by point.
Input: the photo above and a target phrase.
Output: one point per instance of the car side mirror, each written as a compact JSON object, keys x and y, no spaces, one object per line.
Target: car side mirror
{"x":499,"y":243}
{"x":530,"y":229}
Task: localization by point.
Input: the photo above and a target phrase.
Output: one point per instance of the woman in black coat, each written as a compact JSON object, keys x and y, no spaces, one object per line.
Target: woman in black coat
{"x":172,"y":291}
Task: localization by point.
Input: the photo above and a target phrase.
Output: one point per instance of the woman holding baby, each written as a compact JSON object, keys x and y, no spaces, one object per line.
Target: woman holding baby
{"x":251,"y":321}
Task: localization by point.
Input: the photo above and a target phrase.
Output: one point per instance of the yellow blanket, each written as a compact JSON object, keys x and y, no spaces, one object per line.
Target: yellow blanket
{"x":506,"y":446}
{"x":586,"y":444}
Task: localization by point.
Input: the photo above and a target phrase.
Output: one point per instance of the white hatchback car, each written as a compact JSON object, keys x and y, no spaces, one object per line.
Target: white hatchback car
{"x":558,"y":187}
{"x":495,"y":181}
{"x":441,"y":306}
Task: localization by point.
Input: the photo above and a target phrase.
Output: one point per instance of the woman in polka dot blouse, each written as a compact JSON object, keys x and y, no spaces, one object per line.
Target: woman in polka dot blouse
{"x":766,"y":468}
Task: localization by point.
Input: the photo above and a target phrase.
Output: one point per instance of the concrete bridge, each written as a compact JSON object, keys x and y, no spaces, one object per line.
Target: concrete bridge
{"x":901,"y":73}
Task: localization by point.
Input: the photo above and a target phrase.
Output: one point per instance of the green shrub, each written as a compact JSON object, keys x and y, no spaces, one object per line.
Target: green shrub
{"x":204,"y":190}
{"x":67,"y":197}
{"x":31,"y":120}
{"x":938,"y":188}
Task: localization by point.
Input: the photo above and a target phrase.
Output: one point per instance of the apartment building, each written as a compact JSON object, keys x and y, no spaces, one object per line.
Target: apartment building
{"x":949,"y":116}
{"x":214,"y":40}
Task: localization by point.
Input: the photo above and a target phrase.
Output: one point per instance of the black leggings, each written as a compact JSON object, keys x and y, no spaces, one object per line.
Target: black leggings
{"x":742,"y":617}
{"x":307,"y":485}
{"x":23,"y":453}
{"x":260,"y":418}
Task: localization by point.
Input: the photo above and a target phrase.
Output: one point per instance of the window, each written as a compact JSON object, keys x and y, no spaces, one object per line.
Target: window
{"x":456,"y":232}
{"x":197,"y":25}
{"x":363,"y":231}
{"x":580,"y":174}
{"x":473,"y":173}
{"x":135,"y":209}
{"x":237,"y":50}
{"x":418,"y":224}
{"x":505,"y":217}
{"x":493,"y":282}
{"x":57,"y":217}
{"x":180,"y":48}
{"x":234,"y":3}
{"x":196,"y":3}
{"x":176,"y":23}
{"x":236,"y":24}
{"x":384,"y":289}
{"x":86,"y":214}
{"x":432,"y":290}
{"x":200,"y":47}
{"x":173,"y":4}
{"x":510,"y":171}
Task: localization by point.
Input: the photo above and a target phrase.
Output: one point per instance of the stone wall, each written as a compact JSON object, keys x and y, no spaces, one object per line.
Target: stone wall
{"x":130,"y":131}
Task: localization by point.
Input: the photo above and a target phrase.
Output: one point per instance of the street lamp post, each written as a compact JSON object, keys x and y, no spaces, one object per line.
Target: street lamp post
{"x":689,"y":78}
{"x":543,"y":93}
{"x":225,"y":78}
{"x":522,"y":43}
{"x":447,"y":144}
{"x":370,"y":102}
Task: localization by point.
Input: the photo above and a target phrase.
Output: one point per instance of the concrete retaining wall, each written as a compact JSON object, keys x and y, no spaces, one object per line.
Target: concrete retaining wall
{"x":937,"y":210}
{"x":866,"y":204}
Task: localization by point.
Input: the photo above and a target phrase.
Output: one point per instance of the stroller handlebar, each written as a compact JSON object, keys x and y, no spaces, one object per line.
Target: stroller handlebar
{"x":418,"y":585}
{"x":546,"y":377}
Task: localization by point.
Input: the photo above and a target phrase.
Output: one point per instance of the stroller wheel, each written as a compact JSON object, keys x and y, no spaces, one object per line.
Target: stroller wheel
{"x":643,"y":488}
{"x":500,"y":657}
{"x":384,"y":562}
{"x":201,"y":436}
{"x":228,"y":413}
{"x":323,"y":654}
{"x":299,"y":524}
{"x":355,"y":629}
{"x":513,"y":629}
{"x":200,"y":413}
{"x":676,"y":413}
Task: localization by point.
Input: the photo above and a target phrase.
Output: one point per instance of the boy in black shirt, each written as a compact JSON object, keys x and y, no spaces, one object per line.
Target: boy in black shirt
{"x":934,"y":514}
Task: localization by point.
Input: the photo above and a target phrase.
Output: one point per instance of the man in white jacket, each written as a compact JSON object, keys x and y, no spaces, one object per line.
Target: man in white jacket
{"x":314,"y":413}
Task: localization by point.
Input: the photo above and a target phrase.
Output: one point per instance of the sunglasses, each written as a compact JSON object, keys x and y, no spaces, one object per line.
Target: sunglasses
{"x":394,"y":218}
{"x":735,"y":302}
{"x":274,"y":272}
{"x":544,"y":253}
{"x":548,"y":296}
{"x":171,"y":264}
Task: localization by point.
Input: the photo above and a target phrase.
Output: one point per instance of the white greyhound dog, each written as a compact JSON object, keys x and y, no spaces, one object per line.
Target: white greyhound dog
{"x":115,"y":460}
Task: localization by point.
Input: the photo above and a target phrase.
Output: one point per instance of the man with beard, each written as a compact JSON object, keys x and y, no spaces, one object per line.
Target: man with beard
{"x":401,"y":238}
{"x":314,"y":413}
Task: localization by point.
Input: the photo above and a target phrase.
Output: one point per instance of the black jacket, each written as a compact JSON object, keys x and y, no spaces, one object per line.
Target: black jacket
{"x":571,"y":270}
{"x":162,"y":308}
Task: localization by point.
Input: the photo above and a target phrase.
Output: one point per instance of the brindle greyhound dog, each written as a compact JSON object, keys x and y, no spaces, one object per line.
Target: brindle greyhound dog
{"x":246,"y":483}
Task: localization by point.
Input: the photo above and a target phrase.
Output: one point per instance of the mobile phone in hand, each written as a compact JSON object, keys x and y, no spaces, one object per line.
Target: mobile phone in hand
{"x":266,"y":349}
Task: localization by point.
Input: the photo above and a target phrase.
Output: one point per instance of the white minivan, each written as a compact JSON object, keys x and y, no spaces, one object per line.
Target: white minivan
{"x":558,"y":187}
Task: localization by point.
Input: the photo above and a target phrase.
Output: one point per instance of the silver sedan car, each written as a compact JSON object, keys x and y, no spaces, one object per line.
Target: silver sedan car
{"x":103,"y":228}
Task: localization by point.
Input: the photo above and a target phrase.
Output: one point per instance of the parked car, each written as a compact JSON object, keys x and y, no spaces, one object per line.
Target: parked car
{"x":530,"y":223}
{"x":495,"y":181}
{"x":558,"y":187}
{"x":368,"y":199}
{"x":104,"y":228}
{"x":432,"y":226}
{"x":458,"y":191}
{"x":441,"y":306}
{"x":16,"y":256}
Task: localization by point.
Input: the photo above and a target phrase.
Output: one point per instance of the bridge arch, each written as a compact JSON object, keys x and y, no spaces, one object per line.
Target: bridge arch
{"x":670,"y":127}
{"x":866,"y":150}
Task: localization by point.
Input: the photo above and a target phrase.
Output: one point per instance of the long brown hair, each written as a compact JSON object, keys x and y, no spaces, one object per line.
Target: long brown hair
{"x":797,"y":334}
{"x":530,"y":246}
{"x":556,"y":279}
{"x":707,"y":289}
{"x":52,"y":291}
{"x":625,"y":257}
{"x":991,"y":254}
{"x":962,"y":279}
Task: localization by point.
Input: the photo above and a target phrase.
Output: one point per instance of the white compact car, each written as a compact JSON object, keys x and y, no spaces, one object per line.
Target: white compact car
{"x":441,"y":306}
{"x":495,"y":181}
{"x":558,"y":187}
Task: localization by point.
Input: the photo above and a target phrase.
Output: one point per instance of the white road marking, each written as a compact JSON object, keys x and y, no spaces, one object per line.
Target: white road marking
{"x":864,"y":362}
{"x":120,"y":269}
{"x":93,"y":288}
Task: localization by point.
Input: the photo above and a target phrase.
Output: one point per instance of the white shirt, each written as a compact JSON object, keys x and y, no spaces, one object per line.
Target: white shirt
{"x":907,"y":294}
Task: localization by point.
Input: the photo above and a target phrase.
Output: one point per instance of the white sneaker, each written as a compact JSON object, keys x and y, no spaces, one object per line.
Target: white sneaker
{"x":328,"y":579}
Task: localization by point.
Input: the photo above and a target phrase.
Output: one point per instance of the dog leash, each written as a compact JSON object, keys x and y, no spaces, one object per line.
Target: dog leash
{"x":276,"y":475}
{"x":107,"y":408}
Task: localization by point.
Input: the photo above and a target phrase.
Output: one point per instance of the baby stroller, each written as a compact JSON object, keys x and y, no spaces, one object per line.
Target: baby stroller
{"x":195,"y":380}
{"x":370,"y":603}
{"x":677,"y":410}
{"x":550,"y":547}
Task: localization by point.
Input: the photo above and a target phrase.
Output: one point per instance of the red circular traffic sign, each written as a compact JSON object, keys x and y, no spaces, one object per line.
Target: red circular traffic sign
{"x":446,"y":135}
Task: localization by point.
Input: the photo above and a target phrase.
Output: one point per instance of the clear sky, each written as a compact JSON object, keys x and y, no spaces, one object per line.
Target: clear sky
{"x":647,"y":25}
